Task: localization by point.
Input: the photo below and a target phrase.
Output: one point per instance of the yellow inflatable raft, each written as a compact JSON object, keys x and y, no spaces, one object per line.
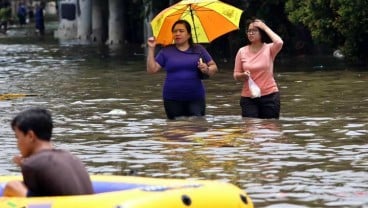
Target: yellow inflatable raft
{"x":139,"y":192}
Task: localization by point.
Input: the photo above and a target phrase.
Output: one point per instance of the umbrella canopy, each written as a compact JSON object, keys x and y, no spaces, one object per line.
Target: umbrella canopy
{"x":209,"y":20}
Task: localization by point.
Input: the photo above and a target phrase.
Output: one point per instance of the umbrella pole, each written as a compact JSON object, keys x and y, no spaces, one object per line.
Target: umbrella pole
{"x":195,"y":30}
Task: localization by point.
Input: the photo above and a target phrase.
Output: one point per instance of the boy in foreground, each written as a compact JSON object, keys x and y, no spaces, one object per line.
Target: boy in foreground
{"x":46,"y":171}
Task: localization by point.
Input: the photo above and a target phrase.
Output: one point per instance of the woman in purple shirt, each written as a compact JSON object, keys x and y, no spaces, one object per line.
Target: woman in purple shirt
{"x":183,"y":91}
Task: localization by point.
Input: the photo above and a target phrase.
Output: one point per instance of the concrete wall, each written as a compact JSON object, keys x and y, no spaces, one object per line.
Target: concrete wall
{"x":84,"y":21}
{"x":68,"y":26}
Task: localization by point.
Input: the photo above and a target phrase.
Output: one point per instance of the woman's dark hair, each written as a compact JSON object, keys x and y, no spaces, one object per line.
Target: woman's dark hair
{"x":36,"y":119}
{"x":187,"y":26}
{"x":264,"y":37}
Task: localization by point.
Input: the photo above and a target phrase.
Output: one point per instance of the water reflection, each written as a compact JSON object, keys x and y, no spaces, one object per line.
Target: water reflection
{"x":262,"y":128}
{"x":108,"y":111}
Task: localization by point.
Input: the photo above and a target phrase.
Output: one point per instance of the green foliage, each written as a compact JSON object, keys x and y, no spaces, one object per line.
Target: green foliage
{"x":341,"y":24}
{"x":5,"y":14}
{"x":302,"y":24}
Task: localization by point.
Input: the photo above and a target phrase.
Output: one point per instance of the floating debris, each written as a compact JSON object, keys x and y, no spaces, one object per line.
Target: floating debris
{"x":338,"y":54}
{"x":117,"y":112}
{"x":11,"y":96}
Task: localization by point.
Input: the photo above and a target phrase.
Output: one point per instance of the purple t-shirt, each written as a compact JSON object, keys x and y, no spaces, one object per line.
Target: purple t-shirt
{"x":182,"y":82}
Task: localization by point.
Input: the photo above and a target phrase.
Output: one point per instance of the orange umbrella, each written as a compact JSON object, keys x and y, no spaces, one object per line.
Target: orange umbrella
{"x":209,"y":20}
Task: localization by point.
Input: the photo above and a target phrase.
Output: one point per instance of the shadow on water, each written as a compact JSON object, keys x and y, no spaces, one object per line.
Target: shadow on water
{"x":108,"y":111}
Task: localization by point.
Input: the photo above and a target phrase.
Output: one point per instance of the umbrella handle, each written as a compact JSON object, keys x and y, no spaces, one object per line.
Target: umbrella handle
{"x":191,"y":14}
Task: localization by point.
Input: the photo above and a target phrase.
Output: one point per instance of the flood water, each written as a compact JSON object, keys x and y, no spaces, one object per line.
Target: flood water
{"x":108,"y":111}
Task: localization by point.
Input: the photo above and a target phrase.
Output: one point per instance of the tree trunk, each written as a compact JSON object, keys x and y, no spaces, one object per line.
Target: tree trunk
{"x":146,"y":24}
{"x":84,"y":20}
{"x":97,"y":22}
{"x":116,"y":20}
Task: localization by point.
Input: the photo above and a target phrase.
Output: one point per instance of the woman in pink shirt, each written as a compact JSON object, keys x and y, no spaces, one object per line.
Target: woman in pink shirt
{"x":255,"y":61}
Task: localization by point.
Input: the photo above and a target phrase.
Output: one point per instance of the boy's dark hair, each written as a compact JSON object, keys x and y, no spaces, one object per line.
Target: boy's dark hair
{"x":36,"y":119}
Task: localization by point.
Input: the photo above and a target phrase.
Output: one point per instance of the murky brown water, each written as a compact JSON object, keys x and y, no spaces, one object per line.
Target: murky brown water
{"x":108,"y":111}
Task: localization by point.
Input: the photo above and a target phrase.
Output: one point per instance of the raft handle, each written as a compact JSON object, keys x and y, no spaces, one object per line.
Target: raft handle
{"x":244,"y":199}
{"x":186,"y":200}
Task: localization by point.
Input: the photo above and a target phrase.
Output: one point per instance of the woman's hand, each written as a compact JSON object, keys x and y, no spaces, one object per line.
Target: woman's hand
{"x":152,"y":65}
{"x":246,"y":74}
{"x":274,"y":37}
{"x":151,"y":42}
{"x":203,"y":66}
{"x":260,"y":24}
